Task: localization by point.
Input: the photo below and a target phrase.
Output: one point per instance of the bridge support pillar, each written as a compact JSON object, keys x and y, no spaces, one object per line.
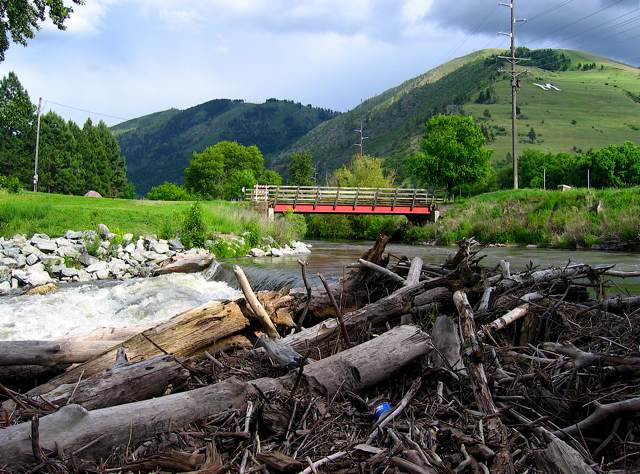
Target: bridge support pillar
{"x":271,"y":215}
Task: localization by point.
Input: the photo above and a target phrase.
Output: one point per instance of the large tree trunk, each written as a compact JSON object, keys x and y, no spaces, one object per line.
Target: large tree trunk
{"x":130,"y":383}
{"x":99,"y":431}
{"x":181,"y":335}
{"x":51,"y":352}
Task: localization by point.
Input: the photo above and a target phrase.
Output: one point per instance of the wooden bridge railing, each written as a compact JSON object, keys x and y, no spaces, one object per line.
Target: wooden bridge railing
{"x":389,"y":197}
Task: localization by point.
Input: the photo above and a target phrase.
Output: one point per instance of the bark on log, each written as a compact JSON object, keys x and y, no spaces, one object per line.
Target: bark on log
{"x":446,"y":341}
{"x":601,"y":414}
{"x":559,"y":458}
{"x":97,"y":432}
{"x":415,"y":270}
{"x":497,"y":433}
{"x":369,"y":363}
{"x":131,"y":383}
{"x":51,"y":352}
{"x":183,"y":335}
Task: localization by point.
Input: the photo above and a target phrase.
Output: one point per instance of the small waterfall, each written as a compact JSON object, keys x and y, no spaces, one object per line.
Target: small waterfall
{"x":79,"y":309}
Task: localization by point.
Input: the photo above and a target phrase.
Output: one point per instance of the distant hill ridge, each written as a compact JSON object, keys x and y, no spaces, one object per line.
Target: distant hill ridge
{"x":599,"y":104}
{"x":158,"y":146}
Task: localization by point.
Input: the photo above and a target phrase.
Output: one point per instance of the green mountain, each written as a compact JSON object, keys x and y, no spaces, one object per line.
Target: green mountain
{"x":598,"y":104}
{"x":157,"y":147}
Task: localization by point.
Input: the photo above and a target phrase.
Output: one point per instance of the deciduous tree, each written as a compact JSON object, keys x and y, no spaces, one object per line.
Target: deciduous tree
{"x":301,"y":169}
{"x":452,"y":153}
{"x":20,"y":19}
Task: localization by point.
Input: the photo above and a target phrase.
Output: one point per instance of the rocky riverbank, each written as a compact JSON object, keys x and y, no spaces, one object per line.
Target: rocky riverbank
{"x":83,"y":256}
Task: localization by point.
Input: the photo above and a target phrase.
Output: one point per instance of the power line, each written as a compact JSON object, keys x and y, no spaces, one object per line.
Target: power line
{"x":550,"y":10}
{"x":85,"y":110}
{"x":554,"y":32}
{"x":625,"y":22}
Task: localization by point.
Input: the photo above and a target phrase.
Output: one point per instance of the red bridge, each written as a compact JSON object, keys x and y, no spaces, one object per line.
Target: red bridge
{"x":327,"y":200}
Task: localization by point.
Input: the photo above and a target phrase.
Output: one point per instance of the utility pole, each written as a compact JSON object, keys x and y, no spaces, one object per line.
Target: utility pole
{"x":35,"y":168}
{"x":544,"y":178}
{"x":362,"y":138}
{"x":513,"y":61}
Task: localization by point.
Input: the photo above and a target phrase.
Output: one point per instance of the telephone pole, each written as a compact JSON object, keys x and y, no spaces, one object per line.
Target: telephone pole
{"x":35,"y":168}
{"x":513,"y":61}
{"x":362,"y":138}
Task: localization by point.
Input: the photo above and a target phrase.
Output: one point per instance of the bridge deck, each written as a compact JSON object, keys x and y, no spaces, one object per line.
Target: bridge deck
{"x":334,"y":200}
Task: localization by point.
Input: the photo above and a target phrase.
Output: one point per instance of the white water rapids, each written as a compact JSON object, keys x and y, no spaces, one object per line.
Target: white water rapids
{"x":80,"y":309}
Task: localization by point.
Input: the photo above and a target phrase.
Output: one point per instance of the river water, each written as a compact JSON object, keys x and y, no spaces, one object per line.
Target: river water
{"x":81,"y":308}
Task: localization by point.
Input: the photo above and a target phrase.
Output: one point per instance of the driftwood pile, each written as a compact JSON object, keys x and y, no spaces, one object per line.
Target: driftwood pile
{"x":485,"y":370}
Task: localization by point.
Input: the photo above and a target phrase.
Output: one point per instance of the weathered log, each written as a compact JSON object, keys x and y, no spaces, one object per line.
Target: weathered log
{"x":446,"y":342}
{"x":97,"y":432}
{"x":415,"y":270}
{"x":186,"y":264}
{"x":497,"y":432}
{"x":382,"y":271}
{"x":440,"y":294}
{"x":467,"y":249}
{"x":394,"y":305}
{"x":254,"y":304}
{"x":560,"y":458}
{"x":26,"y":377}
{"x":542,"y":276}
{"x":601,"y":414}
{"x":369,"y":363}
{"x":125,"y":384}
{"x":51,"y":352}
{"x":182,"y":335}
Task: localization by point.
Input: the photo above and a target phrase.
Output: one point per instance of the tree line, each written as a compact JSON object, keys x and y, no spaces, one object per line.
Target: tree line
{"x":72,"y":159}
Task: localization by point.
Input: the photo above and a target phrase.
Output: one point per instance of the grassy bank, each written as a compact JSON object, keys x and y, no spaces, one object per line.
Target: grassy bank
{"x":53,"y":214}
{"x":545,"y":218}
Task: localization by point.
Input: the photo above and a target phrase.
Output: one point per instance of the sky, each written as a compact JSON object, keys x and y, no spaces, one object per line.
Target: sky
{"x":120,"y":59}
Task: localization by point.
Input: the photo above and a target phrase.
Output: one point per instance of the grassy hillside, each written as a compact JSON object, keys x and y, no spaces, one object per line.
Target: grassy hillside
{"x":545,"y":218}
{"x":394,"y":119}
{"x":54,"y":214}
{"x":595,"y":108}
{"x":158,"y":147}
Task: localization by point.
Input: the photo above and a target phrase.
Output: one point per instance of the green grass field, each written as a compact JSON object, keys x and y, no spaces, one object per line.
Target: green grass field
{"x":54,"y":214}
{"x":546,"y":218}
{"x":592,"y":109}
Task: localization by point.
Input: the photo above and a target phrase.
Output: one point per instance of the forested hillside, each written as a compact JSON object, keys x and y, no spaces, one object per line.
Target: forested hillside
{"x":158,"y":147}
{"x":597,"y":104}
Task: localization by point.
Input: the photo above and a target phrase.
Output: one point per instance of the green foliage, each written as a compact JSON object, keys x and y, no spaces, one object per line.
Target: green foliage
{"x":301,"y":169}
{"x":363,"y":171}
{"x":270,"y":177}
{"x":168,"y":192}
{"x":19,"y":20}
{"x":452,"y":153}
{"x":168,"y":139}
{"x":11,"y":184}
{"x":193,"y":232}
{"x":222,"y":170}
{"x":532,"y":135}
{"x":72,"y":160}
{"x":613,"y":166}
{"x":71,"y":261}
{"x":296,"y":223}
{"x":545,"y":218}
{"x":228,"y":248}
{"x":92,"y":243}
{"x":549,"y":59}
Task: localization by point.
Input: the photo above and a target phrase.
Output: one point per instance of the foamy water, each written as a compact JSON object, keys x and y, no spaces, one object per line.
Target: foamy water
{"x":80,"y":309}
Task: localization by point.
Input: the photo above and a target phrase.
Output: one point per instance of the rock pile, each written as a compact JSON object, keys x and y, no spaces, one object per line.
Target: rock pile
{"x":89,"y":255}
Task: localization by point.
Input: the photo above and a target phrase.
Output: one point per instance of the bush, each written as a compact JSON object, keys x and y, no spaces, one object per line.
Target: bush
{"x":11,"y":184}
{"x":92,"y":244}
{"x":193,"y":232}
{"x":168,"y":192}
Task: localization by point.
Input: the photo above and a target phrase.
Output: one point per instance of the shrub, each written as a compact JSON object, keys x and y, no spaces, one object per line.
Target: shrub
{"x":193,"y":232}
{"x":92,"y":244}
{"x":11,"y":184}
{"x":168,"y":192}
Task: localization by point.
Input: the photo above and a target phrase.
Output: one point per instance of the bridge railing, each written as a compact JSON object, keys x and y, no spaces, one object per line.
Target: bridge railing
{"x":393,"y":197}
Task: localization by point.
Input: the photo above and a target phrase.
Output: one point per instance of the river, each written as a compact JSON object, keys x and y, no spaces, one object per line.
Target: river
{"x":80,"y":308}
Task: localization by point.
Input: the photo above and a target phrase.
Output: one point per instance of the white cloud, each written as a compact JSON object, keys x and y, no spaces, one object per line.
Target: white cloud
{"x":85,"y":19}
{"x":414,"y":11}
